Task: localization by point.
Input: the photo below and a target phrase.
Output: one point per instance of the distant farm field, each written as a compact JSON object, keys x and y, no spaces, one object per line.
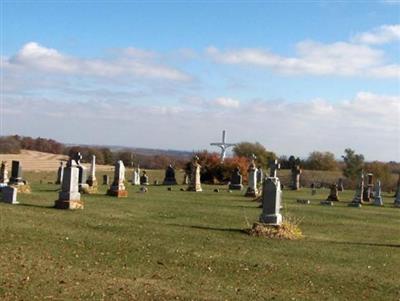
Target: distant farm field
{"x":174,"y":245}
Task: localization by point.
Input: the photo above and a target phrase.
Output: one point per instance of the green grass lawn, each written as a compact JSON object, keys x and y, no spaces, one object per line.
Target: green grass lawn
{"x":166,"y":245}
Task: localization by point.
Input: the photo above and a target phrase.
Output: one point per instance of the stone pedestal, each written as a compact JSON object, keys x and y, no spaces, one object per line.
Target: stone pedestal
{"x":69,"y":196}
{"x":271,"y":202}
{"x":9,"y":195}
{"x":117,"y":188}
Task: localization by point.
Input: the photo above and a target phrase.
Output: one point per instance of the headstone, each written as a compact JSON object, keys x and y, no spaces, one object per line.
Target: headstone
{"x":144,"y":179}
{"x":398,"y":187}
{"x":169,"y":178}
{"x":136,"y":176}
{"x":16,"y":174}
{"x":4,"y":173}
{"x":340,"y":185}
{"x":186,"y":179}
{"x":252,"y":190}
{"x":313,"y":189}
{"x":16,"y":179}
{"x":236,"y":180}
{"x":274,"y":166}
{"x":359,"y":195}
{"x":303,"y":201}
{"x":60,"y":173}
{"x":378,"y":201}
{"x":368,"y":188}
{"x":271,"y":201}
{"x":194,"y":180}
{"x":333,"y":194}
{"x":296,"y":172}
{"x":260,"y":176}
{"x":397,"y":199}
{"x":69,"y":196}
{"x":106,"y":180}
{"x":117,"y":188}
{"x":9,"y":195}
{"x":92,"y":181}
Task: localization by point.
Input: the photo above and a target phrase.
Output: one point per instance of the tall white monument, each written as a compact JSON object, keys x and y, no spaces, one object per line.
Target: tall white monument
{"x":223,"y":145}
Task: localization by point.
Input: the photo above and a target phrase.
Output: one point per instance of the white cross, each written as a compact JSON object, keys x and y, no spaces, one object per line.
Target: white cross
{"x":223,"y":145}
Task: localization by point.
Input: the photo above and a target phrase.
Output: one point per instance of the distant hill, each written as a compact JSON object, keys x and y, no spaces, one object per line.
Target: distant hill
{"x":39,"y":161}
{"x":142,"y":151}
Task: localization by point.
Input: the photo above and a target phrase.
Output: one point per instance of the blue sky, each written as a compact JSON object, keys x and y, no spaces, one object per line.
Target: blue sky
{"x":193,"y":69}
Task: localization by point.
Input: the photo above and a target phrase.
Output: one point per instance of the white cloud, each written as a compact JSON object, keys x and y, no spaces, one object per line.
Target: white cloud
{"x":132,"y":62}
{"x":380,"y":35}
{"x":226,"y":102}
{"x":368,"y":123}
{"x":341,"y":58}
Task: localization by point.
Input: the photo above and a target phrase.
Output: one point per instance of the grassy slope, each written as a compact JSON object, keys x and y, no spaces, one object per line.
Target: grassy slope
{"x":181,"y":245}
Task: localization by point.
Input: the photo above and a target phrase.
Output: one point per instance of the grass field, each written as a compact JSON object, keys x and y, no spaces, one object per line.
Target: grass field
{"x":190,"y":246}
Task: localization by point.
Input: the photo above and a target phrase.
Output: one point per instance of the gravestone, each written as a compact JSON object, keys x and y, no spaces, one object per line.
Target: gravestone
{"x":9,"y":195}
{"x":313,"y":189}
{"x":296,"y":172}
{"x":368,"y":188}
{"x":303,"y":201}
{"x":333,"y":194}
{"x":169,"y":178}
{"x":136,"y":176}
{"x":82,"y":177}
{"x":144,"y":179}
{"x":117,"y":188}
{"x":92,"y":181}
{"x":236,"y":180}
{"x":359,"y":194}
{"x":252,"y":190}
{"x":378,"y":201}
{"x":16,"y":174}
{"x":4,"y":173}
{"x":106,"y":180}
{"x":16,"y":179}
{"x":60,"y":173}
{"x":69,"y":196}
{"x":185,"y":179}
{"x":397,"y":196}
{"x":340,"y":185}
{"x":274,"y":166}
{"x":260,"y":176}
{"x":271,"y":202}
{"x":194,"y":180}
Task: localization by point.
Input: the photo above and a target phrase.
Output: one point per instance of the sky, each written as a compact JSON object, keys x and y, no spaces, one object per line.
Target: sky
{"x":296,"y":76}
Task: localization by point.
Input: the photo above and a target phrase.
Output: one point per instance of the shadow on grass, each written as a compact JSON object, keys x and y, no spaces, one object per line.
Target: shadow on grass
{"x":372,"y":244}
{"x":210,"y":228}
{"x":37,"y":206}
{"x":47,"y":190}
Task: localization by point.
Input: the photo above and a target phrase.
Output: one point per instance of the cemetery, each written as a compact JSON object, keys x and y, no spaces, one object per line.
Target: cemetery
{"x":164,"y":243}
{"x":199,"y":150}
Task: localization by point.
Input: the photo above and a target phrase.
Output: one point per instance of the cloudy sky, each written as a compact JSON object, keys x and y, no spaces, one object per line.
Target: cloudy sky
{"x":295,"y":76}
